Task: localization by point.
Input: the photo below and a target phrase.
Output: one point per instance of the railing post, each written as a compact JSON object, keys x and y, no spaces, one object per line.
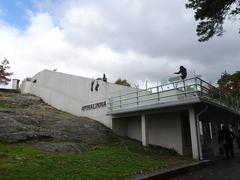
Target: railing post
{"x":235,"y":103}
{"x":220,"y":96}
{"x":228,"y":100}
{"x":201,"y":86}
{"x":196,"y":87}
{"x":137,"y":97}
{"x":120,"y":101}
{"x":184,"y":88}
{"x":158,"y":93}
{"x":195,"y":79}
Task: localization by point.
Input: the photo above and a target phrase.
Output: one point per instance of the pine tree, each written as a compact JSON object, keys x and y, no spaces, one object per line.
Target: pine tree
{"x":122,"y":82}
{"x":4,"y":74}
{"x":211,"y":15}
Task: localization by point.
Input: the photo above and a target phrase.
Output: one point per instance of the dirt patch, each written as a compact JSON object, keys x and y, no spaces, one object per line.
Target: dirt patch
{"x":3,"y":173}
{"x":58,"y":147}
{"x":3,"y":156}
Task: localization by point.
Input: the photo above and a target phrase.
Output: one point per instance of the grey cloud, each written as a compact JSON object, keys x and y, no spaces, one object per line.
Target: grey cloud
{"x":160,"y":33}
{"x":155,"y":28}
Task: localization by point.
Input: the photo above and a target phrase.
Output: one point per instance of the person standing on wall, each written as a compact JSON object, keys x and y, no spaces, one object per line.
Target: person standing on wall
{"x":183,"y":72}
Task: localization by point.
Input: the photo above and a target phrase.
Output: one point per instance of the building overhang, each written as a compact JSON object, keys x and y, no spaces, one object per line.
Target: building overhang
{"x":220,"y":106}
{"x":170,"y":104}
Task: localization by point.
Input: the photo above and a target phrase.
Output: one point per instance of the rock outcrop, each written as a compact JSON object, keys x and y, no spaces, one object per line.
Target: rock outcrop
{"x":27,"y":118}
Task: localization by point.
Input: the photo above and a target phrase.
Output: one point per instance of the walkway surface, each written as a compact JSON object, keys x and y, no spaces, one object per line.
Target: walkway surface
{"x":223,"y":169}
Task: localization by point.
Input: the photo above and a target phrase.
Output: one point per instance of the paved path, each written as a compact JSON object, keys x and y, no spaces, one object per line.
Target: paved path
{"x":224,"y":169}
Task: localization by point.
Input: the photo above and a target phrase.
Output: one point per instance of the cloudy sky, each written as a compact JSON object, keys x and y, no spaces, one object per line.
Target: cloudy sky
{"x":140,"y":40}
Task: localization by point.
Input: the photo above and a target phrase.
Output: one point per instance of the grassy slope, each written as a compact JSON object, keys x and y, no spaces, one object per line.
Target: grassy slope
{"x":21,"y":161}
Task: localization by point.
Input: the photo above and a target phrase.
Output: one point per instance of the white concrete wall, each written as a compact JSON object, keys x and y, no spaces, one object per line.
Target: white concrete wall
{"x":134,"y":128}
{"x":25,"y":87}
{"x":165,"y":130}
{"x":69,"y":93}
{"x":15,"y":83}
{"x":119,"y":126}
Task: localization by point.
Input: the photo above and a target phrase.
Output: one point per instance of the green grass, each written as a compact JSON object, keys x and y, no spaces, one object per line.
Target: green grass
{"x":136,"y":146}
{"x":22,"y":161}
{"x":6,"y":94}
{"x":5,"y":105}
{"x":53,"y":110}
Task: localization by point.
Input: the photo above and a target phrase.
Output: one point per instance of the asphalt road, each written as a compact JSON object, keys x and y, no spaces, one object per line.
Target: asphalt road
{"x":223,"y":169}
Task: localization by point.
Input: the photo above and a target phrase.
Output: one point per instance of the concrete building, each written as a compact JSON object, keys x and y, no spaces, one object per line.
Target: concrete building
{"x":182,"y":115}
{"x":15,"y":83}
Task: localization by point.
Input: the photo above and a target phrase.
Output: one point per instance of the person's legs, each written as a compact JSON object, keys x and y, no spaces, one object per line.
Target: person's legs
{"x":231,"y":149}
{"x":226,"y":150}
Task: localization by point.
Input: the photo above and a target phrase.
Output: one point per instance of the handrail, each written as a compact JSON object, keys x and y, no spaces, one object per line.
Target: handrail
{"x":141,"y":90}
{"x":225,"y":92}
{"x":190,"y":92}
{"x":187,"y":89}
{"x":168,"y":90}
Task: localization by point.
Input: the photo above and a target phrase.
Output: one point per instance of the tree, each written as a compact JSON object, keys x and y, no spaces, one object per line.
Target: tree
{"x":211,"y":15}
{"x":230,"y":83}
{"x":4,"y":75}
{"x":122,"y":82}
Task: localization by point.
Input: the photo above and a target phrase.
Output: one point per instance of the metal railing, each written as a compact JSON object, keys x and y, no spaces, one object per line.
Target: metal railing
{"x":186,"y":89}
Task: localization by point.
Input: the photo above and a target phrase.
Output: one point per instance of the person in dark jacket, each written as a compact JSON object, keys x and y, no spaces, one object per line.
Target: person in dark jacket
{"x":238,"y":139}
{"x":182,"y":71}
{"x":226,"y":139}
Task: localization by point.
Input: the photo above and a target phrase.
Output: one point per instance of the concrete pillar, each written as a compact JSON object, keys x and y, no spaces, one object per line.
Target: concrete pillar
{"x":194,"y":129}
{"x":145,"y":131}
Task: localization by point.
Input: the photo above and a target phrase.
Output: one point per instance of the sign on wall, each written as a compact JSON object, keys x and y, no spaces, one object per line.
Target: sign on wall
{"x":94,"y":106}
